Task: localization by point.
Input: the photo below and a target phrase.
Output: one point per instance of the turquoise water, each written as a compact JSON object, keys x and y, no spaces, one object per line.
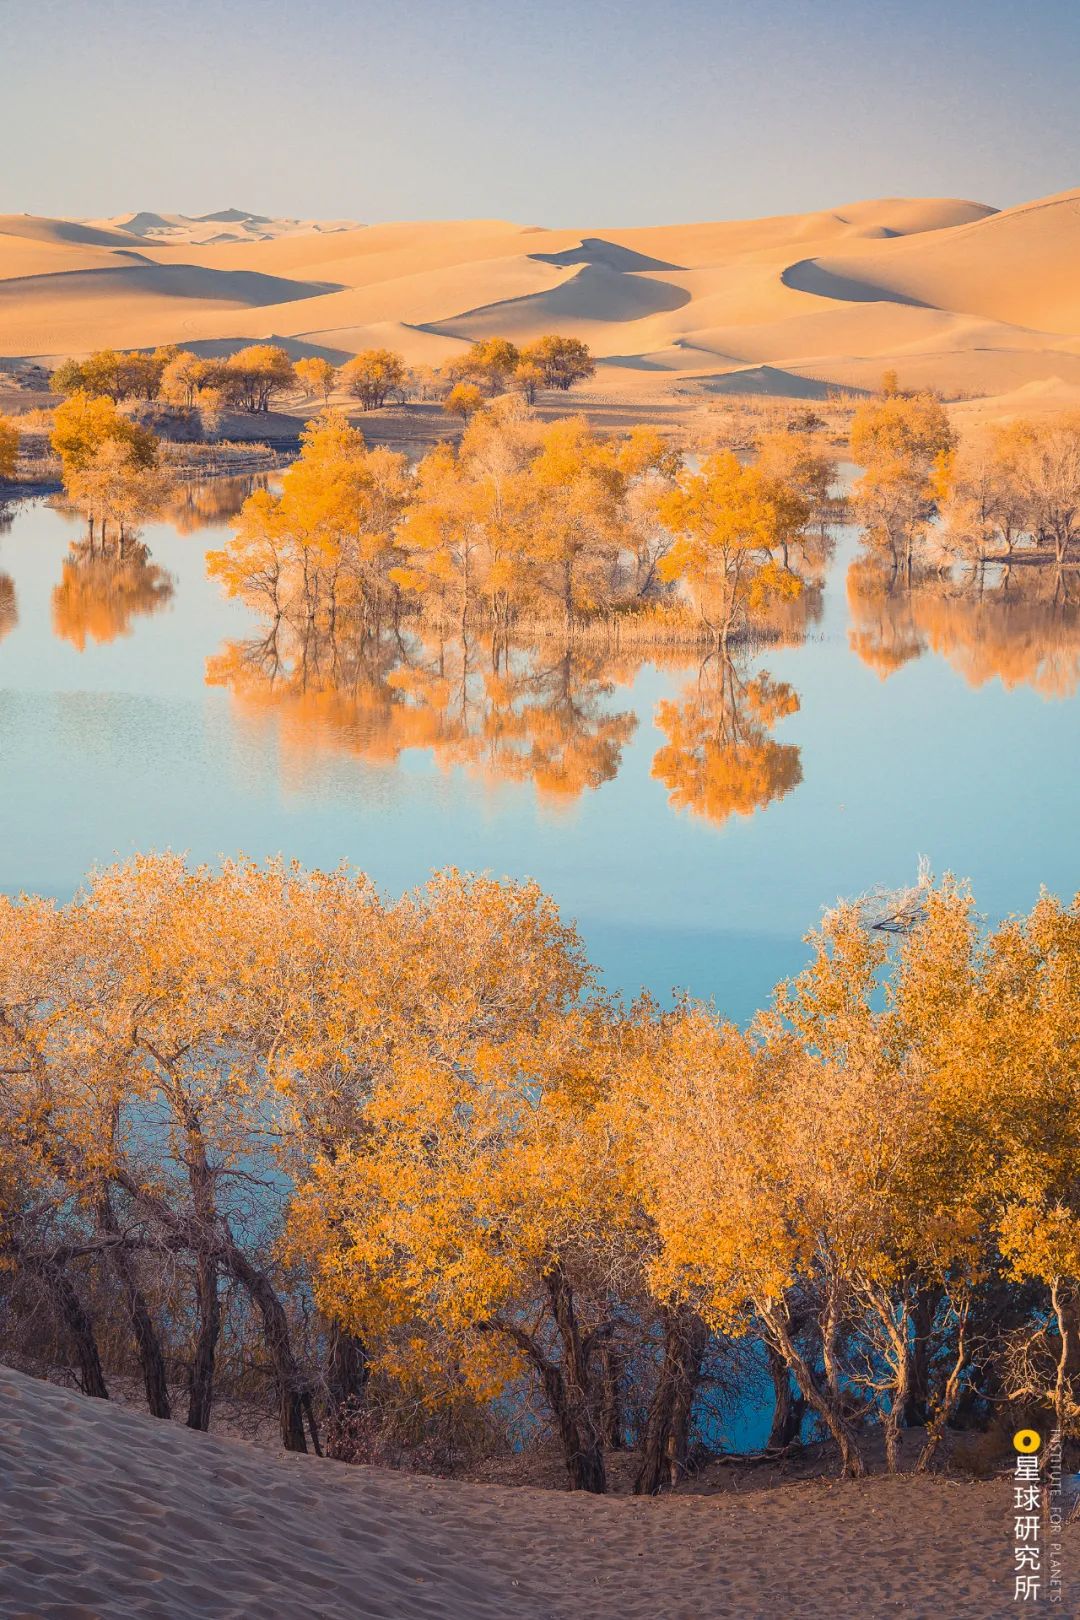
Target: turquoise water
{"x":119,"y":744}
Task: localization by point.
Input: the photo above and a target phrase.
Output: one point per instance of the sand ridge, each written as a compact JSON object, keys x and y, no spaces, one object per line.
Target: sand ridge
{"x":953,"y":294}
{"x":107,"y":1514}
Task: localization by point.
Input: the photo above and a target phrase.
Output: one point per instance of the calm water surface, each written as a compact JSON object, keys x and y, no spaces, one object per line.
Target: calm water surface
{"x":898,"y":727}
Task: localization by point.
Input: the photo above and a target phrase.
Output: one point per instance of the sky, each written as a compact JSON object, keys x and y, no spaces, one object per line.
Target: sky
{"x":557,"y":112}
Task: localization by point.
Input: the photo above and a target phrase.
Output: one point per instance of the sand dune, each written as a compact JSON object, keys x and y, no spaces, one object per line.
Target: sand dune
{"x":108,"y":1515}
{"x":62,"y":230}
{"x":953,"y":294}
{"x":227,"y":225}
{"x":133,"y":303}
{"x":594,"y":295}
{"x":380,"y":253}
{"x":1020,"y":266}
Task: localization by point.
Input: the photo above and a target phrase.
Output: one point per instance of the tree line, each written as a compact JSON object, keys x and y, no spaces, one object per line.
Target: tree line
{"x":255,"y":377}
{"x":1009,"y":492}
{"x":533,"y":522}
{"x":265,"y":1130}
{"x":526,"y":521}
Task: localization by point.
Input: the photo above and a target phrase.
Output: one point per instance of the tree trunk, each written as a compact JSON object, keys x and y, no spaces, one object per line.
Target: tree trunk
{"x":147,"y":1342}
{"x":923,"y":1315}
{"x":893,"y":1418}
{"x":663,"y":1460}
{"x":612,"y":1426}
{"x":566,"y":1389}
{"x":79,"y":1328}
{"x":950,"y":1396}
{"x":201,"y":1377}
{"x":582,"y":1441}
{"x":827,"y":1403}
{"x":208,"y":1303}
{"x":788,"y":1408}
{"x":1069,"y":1329}
{"x":290,"y":1385}
{"x":347,"y":1368}
{"x":208,"y":1238}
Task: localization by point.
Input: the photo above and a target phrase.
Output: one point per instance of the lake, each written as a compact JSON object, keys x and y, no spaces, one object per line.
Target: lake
{"x":693,"y":822}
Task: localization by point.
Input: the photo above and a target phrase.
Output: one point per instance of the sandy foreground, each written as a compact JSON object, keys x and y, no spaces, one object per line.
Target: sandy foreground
{"x":952,"y":294}
{"x":105,"y":1513}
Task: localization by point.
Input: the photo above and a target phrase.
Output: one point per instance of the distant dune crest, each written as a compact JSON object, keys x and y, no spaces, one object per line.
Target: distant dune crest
{"x":950,"y":293}
{"x":227,"y":225}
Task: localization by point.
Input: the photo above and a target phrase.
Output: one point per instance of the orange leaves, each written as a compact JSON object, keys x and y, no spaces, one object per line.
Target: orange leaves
{"x":771,"y":584}
{"x":460,"y":1184}
{"x":84,"y":423}
{"x":728,"y":520}
{"x":463,"y":400}
{"x":1015,"y":627}
{"x":372,"y":376}
{"x":316,"y":375}
{"x":901,"y":440}
{"x":462,"y":1148}
{"x":561,"y":361}
{"x":544,"y":522}
{"x":326,"y":543}
{"x":257,"y":373}
{"x":9,"y":447}
{"x":907,"y":430}
{"x":98,"y":597}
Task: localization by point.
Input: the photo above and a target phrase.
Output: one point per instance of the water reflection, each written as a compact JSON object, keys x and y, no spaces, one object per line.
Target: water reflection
{"x":9,"y":611}
{"x":210,"y":504}
{"x":546,"y":714}
{"x":99,"y":597}
{"x":721,"y":758}
{"x":1018,"y":624}
{"x":105,"y":588}
{"x":405,"y":751}
{"x":506,"y":713}
{"x":550,"y":713}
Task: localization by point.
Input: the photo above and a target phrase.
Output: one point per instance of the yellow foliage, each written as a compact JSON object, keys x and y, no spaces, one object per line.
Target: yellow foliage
{"x":372,"y":376}
{"x":317,"y":375}
{"x":9,"y":447}
{"x":83,"y":424}
{"x":728,"y":519}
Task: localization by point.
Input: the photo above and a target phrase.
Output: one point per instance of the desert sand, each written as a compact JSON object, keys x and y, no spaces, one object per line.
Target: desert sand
{"x":106,"y":1513}
{"x":952,"y":294}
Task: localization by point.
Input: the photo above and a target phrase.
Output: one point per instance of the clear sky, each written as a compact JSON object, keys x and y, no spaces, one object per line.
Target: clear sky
{"x":556,"y":112}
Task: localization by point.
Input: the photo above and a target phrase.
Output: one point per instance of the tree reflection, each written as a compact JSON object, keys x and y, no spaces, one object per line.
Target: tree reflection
{"x":883,"y":631}
{"x":506,"y":713}
{"x":549,"y":721}
{"x":1018,"y":624}
{"x":210,"y":504}
{"x":99,"y":597}
{"x":721,"y":758}
{"x":9,"y":610}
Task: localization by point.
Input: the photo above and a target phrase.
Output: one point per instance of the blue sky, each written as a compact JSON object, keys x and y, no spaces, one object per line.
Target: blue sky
{"x":550,"y":112}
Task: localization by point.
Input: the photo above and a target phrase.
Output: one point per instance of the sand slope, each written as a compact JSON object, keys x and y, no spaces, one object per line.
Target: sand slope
{"x":951,"y":293}
{"x":226,"y":225}
{"x":106,"y":1514}
{"x":1020,"y":266}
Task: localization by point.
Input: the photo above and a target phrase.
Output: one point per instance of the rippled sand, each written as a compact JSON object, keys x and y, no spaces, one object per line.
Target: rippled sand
{"x":105,"y":1513}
